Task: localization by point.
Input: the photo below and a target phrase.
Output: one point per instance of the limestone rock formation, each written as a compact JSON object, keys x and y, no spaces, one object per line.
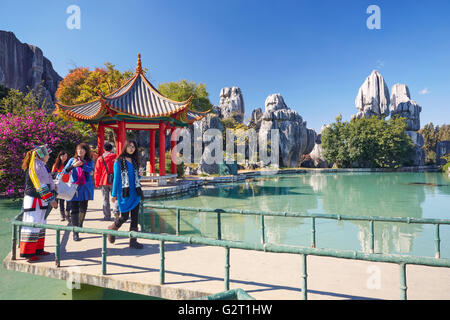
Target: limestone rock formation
{"x":416,"y":137}
{"x":256,"y":118}
{"x":231,"y":103}
{"x":23,"y":65}
{"x":403,"y":106}
{"x":295,"y":138}
{"x":418,"y":157}
{"x":274,"y":102}
{"x":317,"y":153}
{"x":211,"y":121}
{"x":442,"y":149}
{"x":373,"y":97}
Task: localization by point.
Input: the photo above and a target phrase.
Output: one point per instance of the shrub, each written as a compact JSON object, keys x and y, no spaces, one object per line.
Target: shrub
{"x":17,"y":135}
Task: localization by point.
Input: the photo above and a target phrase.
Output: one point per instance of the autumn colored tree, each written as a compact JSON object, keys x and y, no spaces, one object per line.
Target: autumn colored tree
{"x":81,"y":85}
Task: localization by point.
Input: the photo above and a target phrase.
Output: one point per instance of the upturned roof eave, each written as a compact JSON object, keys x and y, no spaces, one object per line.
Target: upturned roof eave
{"x":105,"y":106}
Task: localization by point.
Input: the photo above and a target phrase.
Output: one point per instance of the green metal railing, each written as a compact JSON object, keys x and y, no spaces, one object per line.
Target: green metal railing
{"x":234,"y":294}
{"x":313,"y":216}
{"x":303,"y":252}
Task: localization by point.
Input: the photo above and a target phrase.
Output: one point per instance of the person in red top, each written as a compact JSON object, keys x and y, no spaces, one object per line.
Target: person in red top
{"x":103,"y":167}
{"x":61,"y":161}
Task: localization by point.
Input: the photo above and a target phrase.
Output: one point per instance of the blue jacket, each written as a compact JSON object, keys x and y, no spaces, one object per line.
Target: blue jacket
{"x":129,"y":203}
{"x":86,"y":191}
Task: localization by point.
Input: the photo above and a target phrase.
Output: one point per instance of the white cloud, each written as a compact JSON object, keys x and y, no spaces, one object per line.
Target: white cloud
{"x":425,"y":91}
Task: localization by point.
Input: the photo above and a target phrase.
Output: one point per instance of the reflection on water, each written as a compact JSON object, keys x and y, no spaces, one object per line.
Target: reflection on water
{"x":384,"y":195}
{"x":414,"y":195}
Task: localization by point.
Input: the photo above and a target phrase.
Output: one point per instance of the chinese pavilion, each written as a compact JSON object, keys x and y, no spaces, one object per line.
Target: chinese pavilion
{"x":137,"y":105}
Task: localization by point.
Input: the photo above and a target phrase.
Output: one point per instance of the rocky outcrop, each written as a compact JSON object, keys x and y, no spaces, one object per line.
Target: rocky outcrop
{"x":231,"y":104}
{"x":418,"y":156}
{"x":211,"y":121}
{"x":316,"y":154}
{"x":373,"y":97}
{"x":403,"y":106}
{"x":274,"y":102}
{"x":295,"y":138}
{"x":373,"y":100}
{"x":442,"y":149}
{"x":23,"y":65}
{"x":255,"y":119}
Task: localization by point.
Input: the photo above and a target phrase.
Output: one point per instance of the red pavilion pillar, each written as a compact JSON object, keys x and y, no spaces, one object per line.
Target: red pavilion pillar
{"x":121,"y":136}
{"x":162,"y":149}
{"x":100,"y":138}
{"x":152,"y":150}
{"x":173,"y":150}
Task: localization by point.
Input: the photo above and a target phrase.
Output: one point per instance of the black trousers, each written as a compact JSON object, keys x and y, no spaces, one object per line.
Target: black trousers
{"x":78,"y":206}
{"x":124,"y":217}
{"x":61,"y":205}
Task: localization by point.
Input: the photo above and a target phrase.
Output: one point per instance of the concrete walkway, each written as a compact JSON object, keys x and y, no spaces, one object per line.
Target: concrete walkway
{"x":194,"y":271}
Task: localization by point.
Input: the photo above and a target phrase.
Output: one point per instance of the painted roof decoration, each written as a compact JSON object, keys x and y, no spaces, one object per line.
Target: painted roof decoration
{"x":136,"y":99}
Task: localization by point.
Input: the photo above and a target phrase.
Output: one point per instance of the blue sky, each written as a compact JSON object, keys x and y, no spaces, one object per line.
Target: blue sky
{"x":316,"y":54}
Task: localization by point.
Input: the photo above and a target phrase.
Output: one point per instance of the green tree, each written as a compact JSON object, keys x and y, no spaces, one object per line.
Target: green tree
{"x":16,"y":102}
{"x":3,"y":91}
{"x":430,"y":137}
{"x":183,"y":89}
{"x":334,"y":140}
{"x":443,"y":132}
{"x":373,"y":143}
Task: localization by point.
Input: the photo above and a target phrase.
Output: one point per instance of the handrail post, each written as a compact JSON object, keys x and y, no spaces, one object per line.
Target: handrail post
{"x":14,"y":242}
{"x":178,"y":221}
{"x":304,"y":276}
{"x":162,"y":268}
{"x":219,"y":227}
{"x":403,"y":287}
{"x":263,"y":232}
{"x":313,"y":232}
{"x":58,"y":246}
{"x":371,"y":237}
{"x":19,"y":235}
{"x":227,"y":269}
{"x":104,"y":254}
{"x":437,"y":242}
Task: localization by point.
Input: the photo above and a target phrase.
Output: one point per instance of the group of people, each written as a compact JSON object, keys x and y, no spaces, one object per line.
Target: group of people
{"x":41,"y":191}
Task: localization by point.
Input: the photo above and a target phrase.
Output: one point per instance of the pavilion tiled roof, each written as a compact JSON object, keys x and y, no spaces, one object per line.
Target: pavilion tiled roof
{"x":136,"y":98}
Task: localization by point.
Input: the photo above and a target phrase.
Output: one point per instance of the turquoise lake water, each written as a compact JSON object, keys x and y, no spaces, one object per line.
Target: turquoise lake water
{"x":416,"y":195}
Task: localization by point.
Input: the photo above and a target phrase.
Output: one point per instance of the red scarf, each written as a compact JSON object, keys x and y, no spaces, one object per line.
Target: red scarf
{"x":81,"y":179}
